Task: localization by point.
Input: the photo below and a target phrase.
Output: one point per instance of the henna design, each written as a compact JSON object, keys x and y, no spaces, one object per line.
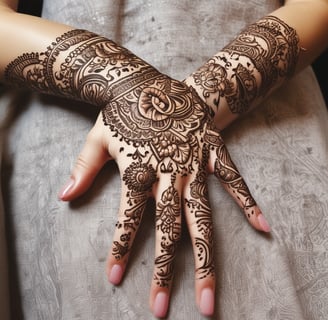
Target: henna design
{"x":257,"y":60}
{"x":199,"y":207}
{"x":139,"y":177}
{"x":226,"y":171}
{"x":80,"y":65}
{"x":168,"y":216}
{"x":166,"y":124}
{"x":119,"y":250}
{"x":214,"y":79}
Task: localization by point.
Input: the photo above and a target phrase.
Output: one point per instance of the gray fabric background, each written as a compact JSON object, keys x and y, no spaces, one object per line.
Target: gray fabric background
{"x":58,"y":250}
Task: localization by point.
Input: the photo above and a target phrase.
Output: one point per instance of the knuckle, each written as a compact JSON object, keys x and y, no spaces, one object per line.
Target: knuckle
{"x":82,"y":163}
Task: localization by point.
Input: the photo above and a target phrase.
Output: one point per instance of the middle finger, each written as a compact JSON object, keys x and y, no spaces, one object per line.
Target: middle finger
{"x":168,"y":233}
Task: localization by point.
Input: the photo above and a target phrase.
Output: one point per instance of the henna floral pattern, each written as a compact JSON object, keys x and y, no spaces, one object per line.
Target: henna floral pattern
{"x":199,"y":207}
{"x":161,"y":118}
{"x":139,"y":177}
{"x":165,"y":130}
{"x":257,"y":60}
{"x":213,"y":78}
{"x":169,"y":225}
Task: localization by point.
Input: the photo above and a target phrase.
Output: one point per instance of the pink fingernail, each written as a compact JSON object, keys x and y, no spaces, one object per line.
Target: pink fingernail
{"x":65,"y":190}
{"x":116,"y":274}
{"x":161,"y":304}
{"x":263,"y":223}
{"x":206,"y":304}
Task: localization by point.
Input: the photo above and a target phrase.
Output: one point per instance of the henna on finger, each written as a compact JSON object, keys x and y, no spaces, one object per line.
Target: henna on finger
{"x":168,"y":228}
{"x":199,"y":218}
{"x":228,"y":174}
{"x":226,"y":171}
{"x":160,"y":129}
{"x":139,"y":179}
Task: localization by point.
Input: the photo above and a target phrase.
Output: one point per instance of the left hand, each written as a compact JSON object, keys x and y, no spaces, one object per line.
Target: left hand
{"x":162,"y":136}
{"x":164,"y":141}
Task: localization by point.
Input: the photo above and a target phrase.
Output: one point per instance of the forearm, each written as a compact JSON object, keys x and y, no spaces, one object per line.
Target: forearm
{"x":21,"y":33}
{"x":261,"y":58}
{"x":58,"y":59}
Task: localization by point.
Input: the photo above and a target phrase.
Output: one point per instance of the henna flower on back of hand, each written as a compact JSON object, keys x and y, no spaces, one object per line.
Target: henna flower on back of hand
{"x":139,"y":177}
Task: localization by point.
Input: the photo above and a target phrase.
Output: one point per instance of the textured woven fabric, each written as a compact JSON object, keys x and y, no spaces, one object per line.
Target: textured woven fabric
{"x":281,"y":148}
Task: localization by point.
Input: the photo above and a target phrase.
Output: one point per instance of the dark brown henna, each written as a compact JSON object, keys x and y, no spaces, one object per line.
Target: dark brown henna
{"x":168,"y":224}
{"x":256,"y":61}
{"x":199,"y":208}
{"x":227,"y":173}
{"x":165,"y":123}
{"x":162,"y":119}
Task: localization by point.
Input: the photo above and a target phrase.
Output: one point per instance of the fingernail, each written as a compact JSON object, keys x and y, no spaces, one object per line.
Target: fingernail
{"x":206,"y":304}
{"x":161,"y":304}
{"x":263,"y":223}
{"x":116,"y":274}
{"x":65,"y":190}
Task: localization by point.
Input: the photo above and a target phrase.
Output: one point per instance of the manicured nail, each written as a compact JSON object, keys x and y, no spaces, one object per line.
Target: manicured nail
{"x":65,"y":190}
{"x":161,"y":304}
{"x":206,"y":304}
{"x":263,"y":223}
{"x":116,"y":274}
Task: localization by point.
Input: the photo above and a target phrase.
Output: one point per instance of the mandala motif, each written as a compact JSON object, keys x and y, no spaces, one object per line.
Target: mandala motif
{"x":162,"y":105}
{"x":139,"y":177}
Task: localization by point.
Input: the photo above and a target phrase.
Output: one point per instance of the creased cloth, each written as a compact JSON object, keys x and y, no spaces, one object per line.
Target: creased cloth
{"x":58,"y":250}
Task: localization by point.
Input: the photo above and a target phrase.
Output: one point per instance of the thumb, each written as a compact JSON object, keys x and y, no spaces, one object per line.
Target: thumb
{"x":91,"y":159}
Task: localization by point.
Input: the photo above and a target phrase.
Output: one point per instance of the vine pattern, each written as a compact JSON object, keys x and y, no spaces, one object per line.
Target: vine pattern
{"x":249,"y":67}
{"x":164,"y":128}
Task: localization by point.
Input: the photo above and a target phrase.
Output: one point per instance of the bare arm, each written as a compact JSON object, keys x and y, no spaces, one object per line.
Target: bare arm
{"x":23,"y":33}
{"x":261,"y":58}
{"x":9,"y":4}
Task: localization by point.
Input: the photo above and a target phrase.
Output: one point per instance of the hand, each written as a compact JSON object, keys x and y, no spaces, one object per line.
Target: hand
{"x":164,"y":143}
{"x":162,"y":136}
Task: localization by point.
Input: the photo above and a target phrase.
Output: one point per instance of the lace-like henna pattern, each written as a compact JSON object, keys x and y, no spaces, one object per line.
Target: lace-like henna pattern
{"x":199,"y":207}
{"x":80,"y":65}
{"x":258,"y":59}
{"x":226,"y":171}
{"x":168,"y":222}
{"x":163,"y":121}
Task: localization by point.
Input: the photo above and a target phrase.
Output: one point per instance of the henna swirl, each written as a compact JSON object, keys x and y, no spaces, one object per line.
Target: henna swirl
{"x":139,"y":177}
{"x":168,"y":223}
{"x":164,"y":122}
{"x":257,"y":60}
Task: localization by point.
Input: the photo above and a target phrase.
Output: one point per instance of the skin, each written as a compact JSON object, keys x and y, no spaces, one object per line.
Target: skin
{"x":160,"y":133}
{"x":312,"y":38}
{"x":150,"y":165}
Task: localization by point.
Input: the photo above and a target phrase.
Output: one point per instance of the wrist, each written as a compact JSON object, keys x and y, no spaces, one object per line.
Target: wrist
{"x":243,"y":73}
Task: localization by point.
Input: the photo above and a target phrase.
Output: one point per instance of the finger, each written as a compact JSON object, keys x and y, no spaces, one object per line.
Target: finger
{"x":229,"y":176}
{"x":126,"y":228}
{"x":137,"y":181}
{"x":91,"y":159}
{"x":199,"y":220}
{"x":168,"y":233}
